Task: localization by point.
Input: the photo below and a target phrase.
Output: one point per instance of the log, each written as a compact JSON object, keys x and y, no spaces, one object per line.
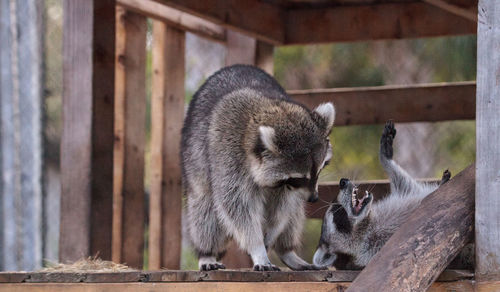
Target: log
{"x":372,"y":22}
{"x":130,"y":136}
{"x":176,"y":18}
{"x":487,"y":141}
{"x":424,"y":245}
{"x":88,"y":134}
{"x":402,"y":103}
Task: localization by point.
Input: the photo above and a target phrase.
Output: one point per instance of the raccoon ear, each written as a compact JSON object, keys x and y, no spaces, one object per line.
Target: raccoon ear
{"x":327,"y":112}
{"x":267,"y":136}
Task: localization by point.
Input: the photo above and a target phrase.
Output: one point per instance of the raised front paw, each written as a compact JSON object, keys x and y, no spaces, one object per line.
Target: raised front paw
{"x":212,"y":266}
{"x":446,"y":177}
{"x":268,"y":267}
{"x":386,"y":140}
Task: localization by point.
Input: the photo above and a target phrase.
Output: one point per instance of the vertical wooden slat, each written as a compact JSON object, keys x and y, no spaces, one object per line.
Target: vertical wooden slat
{"x":240,"y":49}
{"x":264,"y":57}
{"x":157,"y":116}
{"x":130,"y":114}
{"x":167,"y":118}
{"x":87,"y":137}
{"x":487,"y":142}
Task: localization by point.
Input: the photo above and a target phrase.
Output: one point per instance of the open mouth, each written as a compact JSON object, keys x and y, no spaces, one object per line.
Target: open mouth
{"x":358,"y":205}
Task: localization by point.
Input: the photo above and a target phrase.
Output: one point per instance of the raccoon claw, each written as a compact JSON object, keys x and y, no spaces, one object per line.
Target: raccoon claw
{"x":446,"y":177}
{"x":268,"y":267}
{"x":387,"y":138}
{"x":212,"y":267}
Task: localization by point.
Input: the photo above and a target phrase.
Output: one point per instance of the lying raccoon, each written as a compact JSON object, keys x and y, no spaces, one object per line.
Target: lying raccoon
{"x":353,"y":229}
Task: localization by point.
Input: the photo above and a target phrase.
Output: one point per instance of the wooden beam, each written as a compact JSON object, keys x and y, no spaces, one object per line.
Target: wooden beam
{"x":455,"y":9}
{"x":257,"y":19}
{"x":404,"y":104}
{"x":372,"y":22}
{"x":328,"y":192}
{"x":130,"y":136}
{"x":167,"y":118}
{"x":463,"y":286}
{"x":264,"y":57}
{"x":487,"y":141}
{"x":427,"y":242}
{"x":176,"y":18}
{"x":197,"y":276}
{"x":240,"y":49}
{"x":87,"y":135}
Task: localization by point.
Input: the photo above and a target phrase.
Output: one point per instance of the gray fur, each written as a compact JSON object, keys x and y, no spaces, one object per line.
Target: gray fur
{"x":246,"y":181}
{"x":368,"y":231}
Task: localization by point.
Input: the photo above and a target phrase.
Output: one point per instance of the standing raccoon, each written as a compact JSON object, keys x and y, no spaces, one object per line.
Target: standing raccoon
{"x":353,"y":229}
{"x":250,"y":160}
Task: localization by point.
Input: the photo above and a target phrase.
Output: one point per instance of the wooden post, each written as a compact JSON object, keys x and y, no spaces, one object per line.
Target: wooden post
{"x":427,"y":242}
{"x":241,"y":49}
{"x":130,"y":115}
{"x":20,"y":135}
{"x":167,"y":117}
{"x":87,"y":137}
{"x":487,"y":142}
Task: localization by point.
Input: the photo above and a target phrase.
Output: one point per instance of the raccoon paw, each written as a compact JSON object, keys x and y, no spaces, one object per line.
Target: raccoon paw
{"x":446,"y":177}
{"x":268,"y":267}
{"x":212,"y":267}
{"x":386,"y":140}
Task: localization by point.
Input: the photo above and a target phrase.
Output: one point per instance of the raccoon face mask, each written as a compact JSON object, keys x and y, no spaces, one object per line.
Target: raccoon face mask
{"x":292,"y":147}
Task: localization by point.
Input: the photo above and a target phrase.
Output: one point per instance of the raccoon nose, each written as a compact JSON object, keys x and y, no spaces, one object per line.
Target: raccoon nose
{"x":313,"y":197}
{"x":343,"y":183}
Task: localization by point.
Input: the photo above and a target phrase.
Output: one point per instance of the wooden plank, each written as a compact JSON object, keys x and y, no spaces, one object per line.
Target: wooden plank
{"x":455,"y":9}
{"x":487,"y":141}
{"x":87,"y":136}
{"x":372,"y":22}
{"x":264,"y":57}
{"x":328,"y":192}
{"x":176,"y":18}
{"x":425,"y":244}
{"x":403,"y":104}
{"x":195,"y":276}
{"x":257,"y":19}
{"x":130,"y":136}
{"x":240,"y":49}
{"x":167,"y":118}
{"x":463,"y":286}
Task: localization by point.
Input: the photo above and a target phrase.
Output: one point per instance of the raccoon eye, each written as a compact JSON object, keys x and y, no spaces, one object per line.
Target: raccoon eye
{"x":326,"y":163}
{"x":297,"y":182}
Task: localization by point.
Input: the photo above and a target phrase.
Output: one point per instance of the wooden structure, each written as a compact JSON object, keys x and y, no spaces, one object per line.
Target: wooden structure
{"x":102,"y":161}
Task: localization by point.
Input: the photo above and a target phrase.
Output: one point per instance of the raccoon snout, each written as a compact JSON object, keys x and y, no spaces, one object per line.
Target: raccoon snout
{"x":343,"y":183}
{"x":313,"y":197}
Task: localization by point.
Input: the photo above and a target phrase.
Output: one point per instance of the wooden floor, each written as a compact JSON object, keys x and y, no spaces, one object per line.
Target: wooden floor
{"x":228,"y":280}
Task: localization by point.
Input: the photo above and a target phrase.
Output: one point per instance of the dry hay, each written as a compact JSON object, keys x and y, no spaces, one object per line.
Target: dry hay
{"x":88,"y":265}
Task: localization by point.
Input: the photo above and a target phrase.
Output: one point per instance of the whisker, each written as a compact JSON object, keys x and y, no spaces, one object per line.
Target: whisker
{"x":317,"y":210}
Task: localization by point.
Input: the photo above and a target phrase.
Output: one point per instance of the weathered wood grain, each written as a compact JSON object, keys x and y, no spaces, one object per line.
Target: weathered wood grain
{"x":196,"y":276}
{"x":175,"y":18}
{"x":167,"y":118}
{"x":372,"y":22}
{"x":87,"y":135}
{"x":404,"y":104}
{"x":130,"y":136}
{"x":487,"y":142}
{"x":257,"y":19}
{"x":427,"y":242}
